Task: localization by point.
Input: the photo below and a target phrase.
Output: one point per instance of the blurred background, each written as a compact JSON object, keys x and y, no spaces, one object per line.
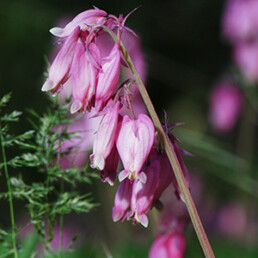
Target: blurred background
{"x":191,"y":58}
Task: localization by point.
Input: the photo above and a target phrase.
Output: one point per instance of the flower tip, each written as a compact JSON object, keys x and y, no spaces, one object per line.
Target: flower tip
{"x":122,"y":175}
{"x":76,"y":106}
{"x":97,"y":162}
{"x":143,"y":219}
{"x":117,"y":214}
{"x":142,"y":177}
{"x":56,"y":31}
{"x":110,"y":182}
{"x":48,"y":85}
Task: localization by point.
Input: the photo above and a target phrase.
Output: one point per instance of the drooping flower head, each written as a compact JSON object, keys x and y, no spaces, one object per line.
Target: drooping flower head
{"x":85,"y":70}
{"x":134,"y":143}
{"x":105,"y":137}
{"x":122,"y":200}
{"x":143,"y":194}
{"x":108,"y":78}
{"x":60,"y":68}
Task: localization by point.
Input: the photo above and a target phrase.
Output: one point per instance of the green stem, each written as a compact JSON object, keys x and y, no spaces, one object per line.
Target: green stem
{"x":172,"y":158}
{"x":61,"y":225}
{"x":10,"y":194}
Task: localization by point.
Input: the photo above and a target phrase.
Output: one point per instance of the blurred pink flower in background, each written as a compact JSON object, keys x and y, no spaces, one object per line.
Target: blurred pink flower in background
{"x":225,"y":106}
{"x":246,"y":57}
{"x":240,"y":20}
{"x":68,"y":234}
{"x":79,"y":146}
{"x":168,"y":245}
{"x":232,"y":221}
{"x":240,"y":27}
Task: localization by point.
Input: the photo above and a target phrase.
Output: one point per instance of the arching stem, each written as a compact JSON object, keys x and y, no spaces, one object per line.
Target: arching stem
{"x":172,"y":158}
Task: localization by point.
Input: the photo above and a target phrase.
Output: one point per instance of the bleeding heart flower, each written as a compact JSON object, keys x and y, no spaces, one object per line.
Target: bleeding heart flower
{"x":108,"y":78}
{"x":105,"y":137}
{"x":225,"y":106}
{"x":168,"y":245}
{"x":108,"y":174}
{"x":83,"y":19}
{"x":134,"y":143}
{"x":60,"y":68}
{"x":166,"y":175}
{"x":122,"y":200}
{"x":143,"y":194}
{"x":85,"y":69}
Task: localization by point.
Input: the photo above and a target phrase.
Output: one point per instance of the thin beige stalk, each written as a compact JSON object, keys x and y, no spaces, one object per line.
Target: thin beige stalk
{"x":172,"y":158}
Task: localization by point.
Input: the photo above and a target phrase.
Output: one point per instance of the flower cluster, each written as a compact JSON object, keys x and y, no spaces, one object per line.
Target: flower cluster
{"x":124,"y":132}
{"x":240,"y":26}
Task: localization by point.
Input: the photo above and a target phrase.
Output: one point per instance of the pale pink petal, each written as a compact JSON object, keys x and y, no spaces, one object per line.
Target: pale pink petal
{"x":105,"y":137}
{"x":60,"y":68}
{"x":89,"y":17}
{"x":108,"y":78}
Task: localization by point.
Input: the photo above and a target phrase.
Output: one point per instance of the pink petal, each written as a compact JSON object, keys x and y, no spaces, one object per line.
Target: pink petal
{"x":89,"y":17}
{"x":60,"y":68}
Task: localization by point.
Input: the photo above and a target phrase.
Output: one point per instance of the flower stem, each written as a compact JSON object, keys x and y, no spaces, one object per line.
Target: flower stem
{"x":10,"y":194}
{"x":61,"y":225}
{"x":172,"y":158}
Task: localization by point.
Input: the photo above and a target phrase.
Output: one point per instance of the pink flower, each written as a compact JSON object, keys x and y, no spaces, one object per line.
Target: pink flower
{"x":108,"y":174}
{"x":240,"y":20}
{"x":168,"y":245}
{"x":132,"y":44}
{"x":83,"y":20}
{"x":84,"y":74}
{"x":246,"y":57}
{"x":134,"y":143}
{"x":143,"y":194}
{"x":185,"y":172}
{"x":166,"y":176}
{"x":80,"y":145}
{"x":225,"y":106}
{"x":108,"y":78}
{"x":60,"y":68}
{"x":232,"y":221}
{"x":105,"y":137}
{"x":122,"y":200}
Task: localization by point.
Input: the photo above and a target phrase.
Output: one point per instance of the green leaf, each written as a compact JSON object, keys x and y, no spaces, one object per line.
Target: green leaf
{"x":12,"y":117}
{"x":29,"y":246}
{"x":5,"y":99}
